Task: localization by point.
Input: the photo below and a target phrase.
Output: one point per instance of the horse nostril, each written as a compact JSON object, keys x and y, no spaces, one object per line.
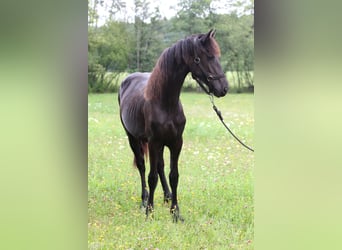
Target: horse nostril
{"x":225,"y":90}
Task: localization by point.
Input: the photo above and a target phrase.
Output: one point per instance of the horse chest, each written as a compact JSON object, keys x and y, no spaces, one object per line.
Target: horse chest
{"x":166,"y":127}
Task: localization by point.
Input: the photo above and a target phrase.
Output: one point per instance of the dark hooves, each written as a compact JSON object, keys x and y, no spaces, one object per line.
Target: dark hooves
{"x":176,"y":215}
{"x":143,"y":204}
{"x":149,"y":212}
{"x":144,"y":198}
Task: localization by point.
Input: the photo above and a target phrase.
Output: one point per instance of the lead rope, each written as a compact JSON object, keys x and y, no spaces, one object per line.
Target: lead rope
{"x":218,"y":112}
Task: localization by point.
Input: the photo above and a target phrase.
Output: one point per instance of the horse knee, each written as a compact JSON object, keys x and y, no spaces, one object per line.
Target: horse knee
{"x":173,"y":177}
{"x":152,"y":179}
{"x":139,"y":162}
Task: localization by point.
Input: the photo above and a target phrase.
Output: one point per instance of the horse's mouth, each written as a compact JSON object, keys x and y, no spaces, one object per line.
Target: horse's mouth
{"x":219,"y":93}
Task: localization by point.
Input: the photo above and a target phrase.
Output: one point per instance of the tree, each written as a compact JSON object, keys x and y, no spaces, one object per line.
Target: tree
{"x":128,"y":46}
{"x":140,"y":23}
{"x":191,"y":16}
{"x":114,"y":7}
{"x":236,"y":39}
{"x":108,"y":51}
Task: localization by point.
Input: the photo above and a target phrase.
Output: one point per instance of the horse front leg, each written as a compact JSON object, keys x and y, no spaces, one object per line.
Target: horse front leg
{"x":167,"y":193}
{"x":154,"y":149}
{"x":175,"y":150}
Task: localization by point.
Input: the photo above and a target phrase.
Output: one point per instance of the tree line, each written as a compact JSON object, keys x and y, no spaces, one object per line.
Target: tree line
{"x":119,"y":47}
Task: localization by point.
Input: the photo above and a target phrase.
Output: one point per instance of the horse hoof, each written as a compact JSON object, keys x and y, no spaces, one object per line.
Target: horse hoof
{"x":176,"y":215}
{"x":149,"y":212}
{"x":177,"y":218}
{"x":143,"y":204}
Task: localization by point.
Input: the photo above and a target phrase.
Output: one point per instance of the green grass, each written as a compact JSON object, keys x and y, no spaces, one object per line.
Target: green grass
{"x":215,"y":187}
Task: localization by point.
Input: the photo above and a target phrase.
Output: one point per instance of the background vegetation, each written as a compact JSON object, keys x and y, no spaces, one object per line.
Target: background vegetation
{"x":127,"y":43}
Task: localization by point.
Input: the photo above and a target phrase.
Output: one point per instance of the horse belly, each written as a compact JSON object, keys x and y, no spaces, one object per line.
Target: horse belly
{"x":134,"y":123}
{"x":131,"y":103}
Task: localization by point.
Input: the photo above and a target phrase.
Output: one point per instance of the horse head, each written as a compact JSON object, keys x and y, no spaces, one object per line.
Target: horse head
{"x":205,"y":66}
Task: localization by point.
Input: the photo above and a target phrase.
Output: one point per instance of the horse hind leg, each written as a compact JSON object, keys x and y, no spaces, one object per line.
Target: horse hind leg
{"x":139,"y":149}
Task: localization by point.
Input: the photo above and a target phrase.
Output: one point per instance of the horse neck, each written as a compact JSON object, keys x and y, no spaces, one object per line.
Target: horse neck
{"x":169,"y":84}
{"x":172,"y":86}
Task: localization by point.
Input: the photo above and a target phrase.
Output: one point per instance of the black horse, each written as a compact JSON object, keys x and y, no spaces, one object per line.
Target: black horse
{"x":152,"y":114}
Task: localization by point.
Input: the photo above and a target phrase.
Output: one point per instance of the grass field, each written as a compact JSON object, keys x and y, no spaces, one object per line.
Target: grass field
{"x":215,"y":188}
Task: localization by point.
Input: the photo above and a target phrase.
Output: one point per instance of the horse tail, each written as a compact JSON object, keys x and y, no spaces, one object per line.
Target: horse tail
{"x":144,"y":149}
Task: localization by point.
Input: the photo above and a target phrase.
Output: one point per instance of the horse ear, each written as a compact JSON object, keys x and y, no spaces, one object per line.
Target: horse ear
{"x":207,"y":36}
{"x":213,"y":33}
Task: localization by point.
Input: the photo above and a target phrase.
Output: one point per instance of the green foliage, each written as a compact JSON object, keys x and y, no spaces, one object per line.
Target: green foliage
{"x":236,"y":38}
{"x":148,"y":36}
{"x":121,"y":46}
{"x":192,"y":15}
{"x":215,"y":186}
{"x":108,"y":51}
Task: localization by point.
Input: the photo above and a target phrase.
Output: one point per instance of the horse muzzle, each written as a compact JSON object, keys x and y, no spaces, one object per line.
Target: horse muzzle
{"x":219,"y":87}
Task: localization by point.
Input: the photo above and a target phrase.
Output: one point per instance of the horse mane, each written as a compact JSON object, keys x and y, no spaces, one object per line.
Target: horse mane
{"x":181,"y":51}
